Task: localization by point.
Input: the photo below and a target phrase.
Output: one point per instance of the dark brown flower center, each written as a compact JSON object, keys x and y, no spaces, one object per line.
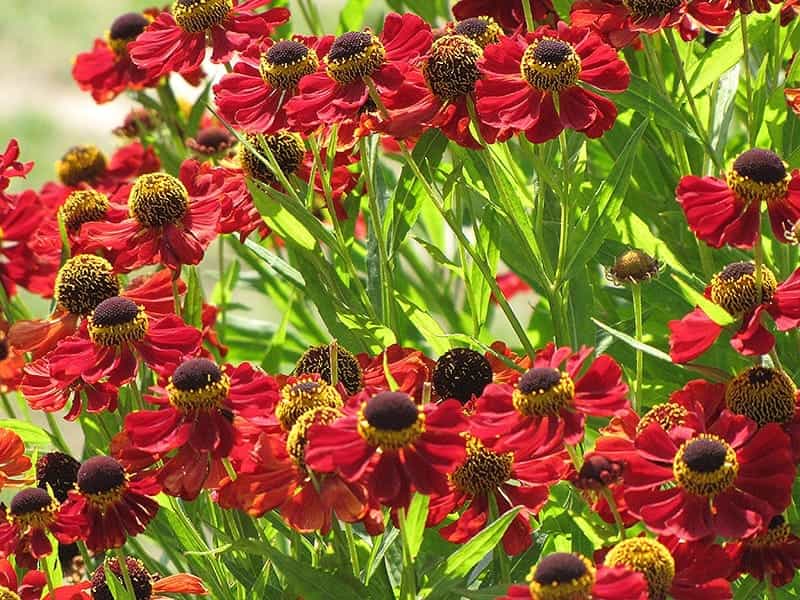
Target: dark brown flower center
{"x":196,"y":373}
{"x":735,"y":289}
{"x":287,"y":52}
{"x":550,"y":65}
{"x":762,"y":394}
{"x":157,"y":199}
{"x":704,"y":455}
{"x":215,"y":138}
{"x":140,"y":579}
{"x":762,"y":166}
{"x":198,"y":384}
{"x":285,"y":64}
{"x":552,"y":52}
{"x":354,"y":55}
{"x":59,"y":471}
{"x":195,"y":16}
{"x":482,"y":30}
{"x":84,"y":282}
{"x":538,"y":379}
{"x":705,"y":465}
{"x":562,"y":576}
{"x":642,"y":9}
{"x":559,"y":567}
{"x":317,"y":359}
{"x":483,"y":470}
{"x":543,"y":391}
{"x":31,"y":500}
{"x":598,"y":471}
{"x":634,"y":266}
{"x":100,"y":475}
{"x":127,"y":27}
{"x":349,"y":44}
{"x":461,"y":373}
{"x":451,"y":66}
{"x":116,"y":321}
{"x":114,"y":311}
{"x":286,"y":147}
{"x":81,"y":164}
{"x":392,"y":411}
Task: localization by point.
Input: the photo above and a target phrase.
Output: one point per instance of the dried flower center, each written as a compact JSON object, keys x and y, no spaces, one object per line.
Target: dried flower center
{"x":195,"y":16}
{"x":482,"y":30}
{"x":543,"y":391}
{"x":667,"y":415}
{"x":461,"y":373}
{"x":84,"y":282}
{"x":705,"y":465}
{"x":597,"y":472}
{"x":759,"y":175}
{"x":81,"y":163}
{"x":33,"y":507}
{"x":308,"y":393}
{"x":198,"y":385}
{"x":286,"y":147}
{"x":390,"y":421}
{"x":215,"y":139}
{"x":634,"y":266}
{"x":103,"y":481}
{"x":354,"y":55}
{"x":650,"y":558}
{"x":117,"y":321}
{"x":734,"y":288}
{"x":298,"y":434}
{"x":83,"y":206}
{"x":157,"y":199}
{"x":286,"y":63}
{"x":141,"y":580}
{"x":136,"y":122}
{"x":762,"y":394}
{"x":643,"y":9}
{"x":317,"y":359}
{"x":483,"y":470}
{"x":125,"y":29}
{"x":550,"y":65}
{"x":777,"y":533}
{"x":451,"y":66}
{"x":562,"y":576}
{"x":59,"y":471}
{"x":7,"y":594}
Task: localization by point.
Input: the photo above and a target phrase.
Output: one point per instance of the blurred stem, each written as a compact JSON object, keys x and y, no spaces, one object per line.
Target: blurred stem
{"x":758,"y":255}
{"x":768,"y":587}
{"x":176,"y":295}
{"x":408,"y":583}
{"x":48,"y":574}
{"x":7,"y":406}
{"x":636,"y":291}
{"x":55,"y":432}
{"x":748,"y":84}
{"x":351,"y":547}
{"x":612,"y":505}
{"x":223,"y":301}
{"x":311,"y":16}
{"x":499,"y":552}
{"x":528,"y":10}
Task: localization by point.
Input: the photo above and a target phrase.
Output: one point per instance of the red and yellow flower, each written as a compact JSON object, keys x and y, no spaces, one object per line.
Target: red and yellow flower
{"x":30,"y":587}
{"x":773,"y":552}
{"x":146,"y":586}
{"x":510,"y":14}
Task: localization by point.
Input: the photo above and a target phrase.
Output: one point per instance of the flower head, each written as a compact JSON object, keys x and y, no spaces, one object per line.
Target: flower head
{"x":146,"y":586}
{"x":633,"y":266}
{"x":772,"y":552}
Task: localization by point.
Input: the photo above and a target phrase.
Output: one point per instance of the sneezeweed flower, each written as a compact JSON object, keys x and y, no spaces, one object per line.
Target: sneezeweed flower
{"x":212,"y":142}
{"x":302,"y":394}
{"x":338,"y":92}
{"x":286,"y":147}
{"x":727,"y":211}
{"x":598,"y":478}
{"x":548,"y":406}
{"x":409,"y":368}
{"x":391,"y":444}
{"x":11,"y":361}
{"x":633,"y":266}
{"x":146,"y":586}
{"x":729,"y":480}
{"x":196,"y":418}
{"x":317,"y":359}
{"x":563,"y":576}
{"x":483,"y":30}
{"x":772,"y":553}
{"x":253,"y":96}
{"x":747,"y":6}
{"x":176,"y":41}
{"x":31,"y":515}
{"x":30,"y":587}
{"x":510,"y":479}
{"x":675,"y":568}
{"x":115,"y":503}
{"x":117,"y":335}
{"x":13,"y":461}
{"x":169,"y":223}
{"x":10,"y":166}
{"x":59,"y":471}
{"x":106,"y":70}
{"x":524,"y":77}
{"x":462,"y":374}
{"x":509,"y":14}
{"x":736,"y":290}
{"x":138,"y":122}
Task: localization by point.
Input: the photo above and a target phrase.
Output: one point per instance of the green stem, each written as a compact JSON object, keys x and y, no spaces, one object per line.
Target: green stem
{"x":758,"y":255}
{"x":499,"y":553}
{"x":55,"y":432}
{"x":612,"y":505}
{"x":176,"y":295}
{"x":768,"y":587}
{"x":223,"y":301}
{"x":7,"y":406}
{"x":530,"y":25}
{"x":351,"y":547}
{"x":48,"y":574}
{"x":408,"y":582}
{"x":636,"y":291}
{"x":748,"y":84}
{"x":126,"y":576}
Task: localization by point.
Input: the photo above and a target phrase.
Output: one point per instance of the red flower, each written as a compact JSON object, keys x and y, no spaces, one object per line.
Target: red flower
{"x":253,"y":96}
{"x":524,"y":76}
{"x":13,"y":461}
{"x":729,"y":480}
{"x":510,"y":285}
{"x":512,"y":479}
{"x":549,"y":406}
{"x":599,"y":477}
{"x":727,"y":211}
{"x":10,"y":167}
{"x":106,"y":71}
{"x":196,"y":416}
{"x":177,"y":42}
{"x":563,"y":575}
{"x":337,"y":92}
{"x":145,"y":585}
{"x":393,"y":445}
{"x":789,"y":11}
{"x":773,"y":552}
{"x":11,"y":361}
{"x":30,"y":588}
{"x":31,"y":515}
{"x":735,"y":290}
{"x":409,"y":368}
{"x":792,"y":96}
{"x":510,"y":13}
{"x":748,"y":6}
{"x":169,"y":222}
{"x":116,"y":504}
{"x":118,"y":334}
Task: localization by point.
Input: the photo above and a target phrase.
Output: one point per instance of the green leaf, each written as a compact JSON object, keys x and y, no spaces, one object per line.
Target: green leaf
{"x":426,"y":324}
{"x":648,"y":101}
{"x":198,"y":110}
{"x":280,"y":218}
{"x":723,"y":55}
{"x":276,"y":263}
{"x":193,"y":302}
{"x":715,"y":312}
{"x":415,"y":522}
{"x":34,"y":438}
{"x":352,"y":16}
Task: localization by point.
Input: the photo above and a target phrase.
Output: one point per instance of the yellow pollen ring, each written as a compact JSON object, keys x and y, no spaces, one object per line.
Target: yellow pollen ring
{"x":297,"y":439}
{"x":667,"y":415}
{"x":194,"y":16}
{"x":103,"y":500}
{"x":81,"y":163}
{"x":7,"y":594}
{"x":546,"y":76}
{"x":769,"y":400}
{"x":740,"y":295}
{"x":389,"y":439}
{"x":38,"y":519}
{"x":209,"y":397}
{"x":774,"y":536}
{"x":287,"y":76}
{"x":83,"y":206}
{"x":483,"y":470}
{"x":749,"y":190}
{"x":706,"y":484}
{"x":119,"y":333}
{"x":304,"y":395}
{"x":544,"y":403}
{"x":364,"y":63}
{"x":648,"y":557}
{"x":577,"y":589}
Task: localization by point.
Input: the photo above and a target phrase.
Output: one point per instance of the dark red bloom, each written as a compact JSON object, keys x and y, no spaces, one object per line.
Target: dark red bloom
{"x":773,"y":552}
{"x":409,"y":368}
{"x":563,"y":575}
{"x":338,"y":92}
{"x":145,"y":585}
{"x":548,"y":406}
{"x":253,"y":96}
{"x":747,"y":6}
{"x":735,"y":289}
{"x":727,"y":211}
{"x":510,"y":13}
{"x":729,"y":480}
{"x":393,"y":445}
{"x":176,"y":41}
{"x":523,"y":77}
{"x":25,"y":524}
{"x":10,"y":166}
{"x":789,"y":12}
{"x":196,"y":418}
{"x":512,"y":480}
{"x":30,"y":588}
{"x":172,"y":221}
{"x":115,"y":503}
